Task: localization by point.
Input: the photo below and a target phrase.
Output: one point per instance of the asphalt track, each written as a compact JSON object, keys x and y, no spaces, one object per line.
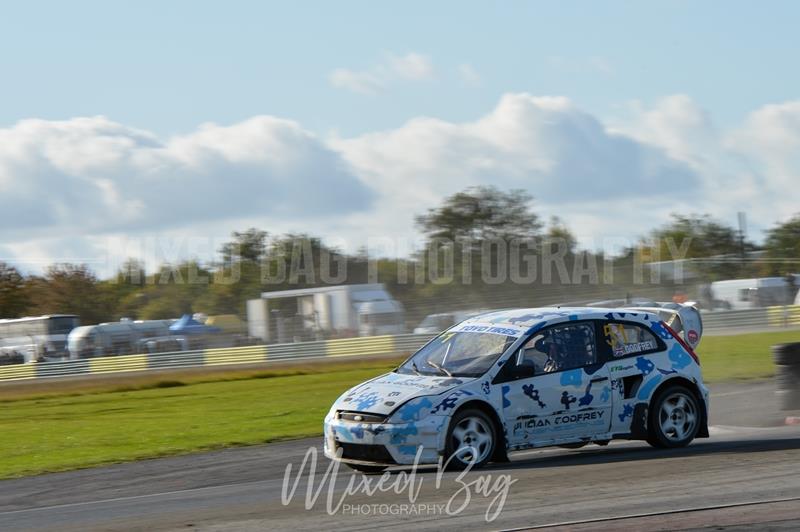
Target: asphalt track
{"x":746,"y":476}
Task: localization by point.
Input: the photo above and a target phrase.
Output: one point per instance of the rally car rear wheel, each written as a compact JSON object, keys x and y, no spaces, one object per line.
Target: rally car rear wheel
{"x":471,"y":440}
{"x":674,"y":418}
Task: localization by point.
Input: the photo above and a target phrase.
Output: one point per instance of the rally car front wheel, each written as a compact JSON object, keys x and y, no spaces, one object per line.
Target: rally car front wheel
{"x":674,"y":418}
{"x":471,"y":440}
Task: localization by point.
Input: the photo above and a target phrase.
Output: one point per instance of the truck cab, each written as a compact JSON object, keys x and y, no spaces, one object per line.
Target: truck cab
{"x":377,"y":318}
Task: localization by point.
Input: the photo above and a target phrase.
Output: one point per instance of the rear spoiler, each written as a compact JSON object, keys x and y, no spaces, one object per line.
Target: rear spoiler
{"x":683,"y":318}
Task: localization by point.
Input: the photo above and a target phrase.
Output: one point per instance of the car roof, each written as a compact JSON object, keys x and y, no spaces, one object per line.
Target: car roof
{"x":525,"y":317}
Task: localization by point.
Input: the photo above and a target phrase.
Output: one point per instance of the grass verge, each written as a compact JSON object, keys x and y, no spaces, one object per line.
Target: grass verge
{"x":53,"y":433}
{"x":91,"y":424}
{"x":741,"y":356}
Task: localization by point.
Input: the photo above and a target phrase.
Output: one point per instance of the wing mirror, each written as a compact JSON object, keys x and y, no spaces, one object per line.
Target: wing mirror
{"x":522,"y":371}
{"x":514,"y":369}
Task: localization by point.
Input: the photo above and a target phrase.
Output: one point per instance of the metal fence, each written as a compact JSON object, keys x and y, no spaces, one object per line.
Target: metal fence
{"x":768,"y":318}
{"x":258,"y":354}
{"x":757,"y":318}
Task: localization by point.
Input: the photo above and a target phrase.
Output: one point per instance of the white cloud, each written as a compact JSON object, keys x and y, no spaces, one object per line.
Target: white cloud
{"x":469,"y":75}
{"x":409,"y":67}
{"x":545,"y":145}
{"x":68,"y":187}
{"x":90,"y":175}
{"x":770,"y":137}
{"x":361,"y":82}
{"x":412,"y":66}
{"x":565,"y":157}
{"x":752,"y":168}
{"x":678,"y":125}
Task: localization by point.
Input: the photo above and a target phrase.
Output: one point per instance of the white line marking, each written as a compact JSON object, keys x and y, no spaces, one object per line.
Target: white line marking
{"x":727,"y":429}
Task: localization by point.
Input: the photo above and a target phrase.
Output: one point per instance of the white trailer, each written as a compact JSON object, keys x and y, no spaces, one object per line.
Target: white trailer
{"x":436,"y":323}
{"x":115,"y":338}
{"x":740,"y":294}
{"x":37,"y":338}
{"x":331,"y":311}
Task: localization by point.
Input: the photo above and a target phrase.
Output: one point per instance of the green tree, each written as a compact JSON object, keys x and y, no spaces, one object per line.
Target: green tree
{"x":480,"y":213}
{"x":715,"y":247}
{"x":13,"y":296}
{"x":472,"y":237}
{"x":249,"y":245}
{"x":238,"y":277}
{"x":125,"y":292}
{"x":705,"y":236}
{"x":132,"y":273}
{"x":557,"y":231}
{"x":174,"y":290}
{"x":68,"y":289}
{"x":782,"y":245}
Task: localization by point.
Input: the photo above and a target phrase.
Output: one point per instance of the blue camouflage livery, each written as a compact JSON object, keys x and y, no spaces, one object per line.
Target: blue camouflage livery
{"x":564,"y":376}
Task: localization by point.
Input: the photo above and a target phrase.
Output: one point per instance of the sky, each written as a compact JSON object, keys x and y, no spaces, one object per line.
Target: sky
{"x":154,"y":129}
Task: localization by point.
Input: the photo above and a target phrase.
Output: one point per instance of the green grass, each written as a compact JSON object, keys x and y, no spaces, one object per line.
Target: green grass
{"x":741,"y":356}
{"x":58,"y":433}
{"x":74,"y":426}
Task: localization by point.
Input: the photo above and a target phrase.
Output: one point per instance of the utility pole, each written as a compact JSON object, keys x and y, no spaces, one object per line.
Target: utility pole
{"x":742,"y":230}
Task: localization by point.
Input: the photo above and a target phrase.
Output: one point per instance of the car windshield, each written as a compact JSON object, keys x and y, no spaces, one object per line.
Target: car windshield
{"x":458,"y":354}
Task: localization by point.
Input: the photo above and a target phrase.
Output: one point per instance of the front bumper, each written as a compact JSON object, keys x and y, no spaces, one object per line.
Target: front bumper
{"x":385,"y":443}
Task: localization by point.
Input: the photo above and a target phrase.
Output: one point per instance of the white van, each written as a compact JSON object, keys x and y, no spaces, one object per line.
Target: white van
{"x":741,"y":294}
{"x":436,"y":323}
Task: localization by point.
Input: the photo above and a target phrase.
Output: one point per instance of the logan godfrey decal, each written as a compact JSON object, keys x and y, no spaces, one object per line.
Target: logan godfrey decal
{"x":561,"y":419}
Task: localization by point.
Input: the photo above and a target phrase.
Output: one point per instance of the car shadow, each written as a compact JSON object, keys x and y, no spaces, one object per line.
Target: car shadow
{"x":613,"y":454}
{"x":594,"y":454}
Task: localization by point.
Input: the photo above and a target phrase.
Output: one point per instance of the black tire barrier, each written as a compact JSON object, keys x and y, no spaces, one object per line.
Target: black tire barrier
{"x":787,"y":375}
{"x":786,"y":354}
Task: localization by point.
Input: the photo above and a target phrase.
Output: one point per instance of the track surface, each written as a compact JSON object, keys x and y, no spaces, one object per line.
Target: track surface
{"x":748,"y":459}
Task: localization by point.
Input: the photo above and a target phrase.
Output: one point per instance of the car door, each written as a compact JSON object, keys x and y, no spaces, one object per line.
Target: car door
{"x":637,"y":363}
{"x":556,"y":387}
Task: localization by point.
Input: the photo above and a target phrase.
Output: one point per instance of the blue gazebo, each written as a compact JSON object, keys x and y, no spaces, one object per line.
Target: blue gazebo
{"x":188,"y":325}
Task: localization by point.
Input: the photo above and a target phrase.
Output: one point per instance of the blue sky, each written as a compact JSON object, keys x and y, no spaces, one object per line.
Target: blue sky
{"x":345,"y":119}
{"x":168,"y":66}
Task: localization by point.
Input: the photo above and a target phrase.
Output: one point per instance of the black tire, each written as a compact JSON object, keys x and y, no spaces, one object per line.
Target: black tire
{"x":787,"y":386}
{"x":786,"y":354}
{"x":678,"y":428}
{"x":470,"y":430}
{"x":367,"y":469}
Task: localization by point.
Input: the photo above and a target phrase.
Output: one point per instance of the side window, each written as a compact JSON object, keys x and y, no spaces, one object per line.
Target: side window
{"x":559,"y":348}
{"x":625,"y":339}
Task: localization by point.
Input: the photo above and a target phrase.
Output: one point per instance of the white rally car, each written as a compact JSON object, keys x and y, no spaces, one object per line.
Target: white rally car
{"x":517,"y":379}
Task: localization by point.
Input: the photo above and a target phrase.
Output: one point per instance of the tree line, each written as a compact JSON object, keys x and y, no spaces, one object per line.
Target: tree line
{"x":483,"y":248}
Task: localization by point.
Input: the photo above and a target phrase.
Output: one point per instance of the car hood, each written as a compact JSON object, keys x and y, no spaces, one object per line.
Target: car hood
{"x":384,"y":394}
